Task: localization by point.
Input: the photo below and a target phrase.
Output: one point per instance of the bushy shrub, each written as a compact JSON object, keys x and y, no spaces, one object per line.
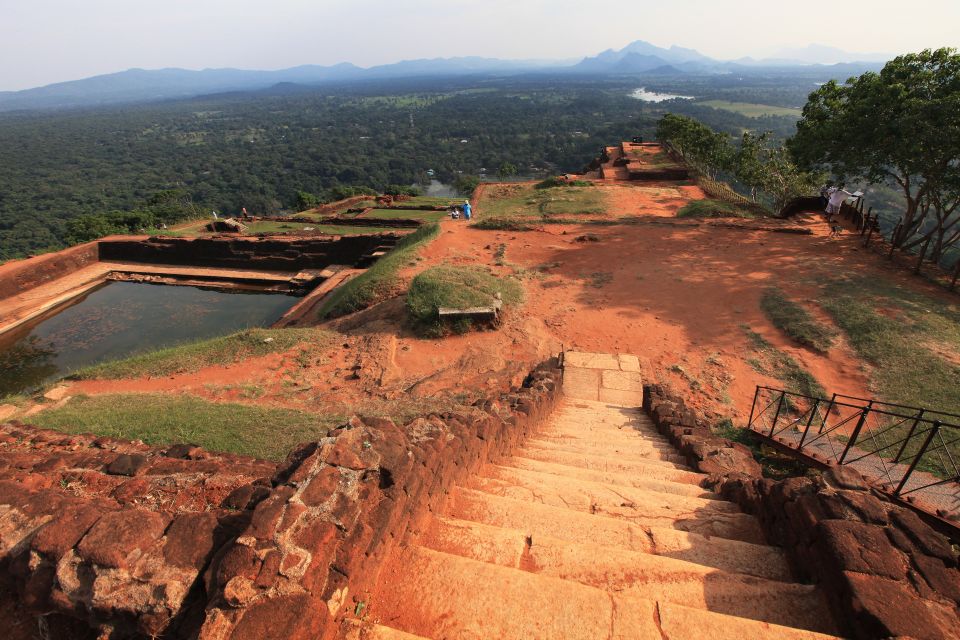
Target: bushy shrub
{"x":457,"y":287}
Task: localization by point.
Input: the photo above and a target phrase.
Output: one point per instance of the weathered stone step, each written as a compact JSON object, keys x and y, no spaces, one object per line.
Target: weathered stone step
{"x":584,"y":494}
{"x":633,"y":573}
{"x":358,"y":630}
{"x":618,"y":437}
{"x":717,"y":552}
{"x":628,"y":454}
{"x":648,"y":468}
{"x":650,"y":482}
{"x":708,"y":517}
{"x":447,"y":596}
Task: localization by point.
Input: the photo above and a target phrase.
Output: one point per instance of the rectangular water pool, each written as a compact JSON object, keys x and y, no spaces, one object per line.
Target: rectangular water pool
{"x":121,"y":319}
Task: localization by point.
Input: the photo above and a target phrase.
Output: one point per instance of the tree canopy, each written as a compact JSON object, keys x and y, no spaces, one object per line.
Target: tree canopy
{"x":899,"y":126}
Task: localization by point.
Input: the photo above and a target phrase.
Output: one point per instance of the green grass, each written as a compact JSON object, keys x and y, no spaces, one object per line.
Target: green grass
{"x":795,"y":321}
{"x":380,"y":279}
{"x":429,"y":201}
{"x":405,"y":214}
{"x":774,"y":465}
{"x":298,"y":227}
{"x":911,"y":340}
{"x":458,"y":287}
{"x":264,"y":432}
{"x":530,"y":204}
{"x":772,"y":362}
{"x":750,"y":109}
{"x":713,"y":209}
{"x":503,"y":224}
{"x":193,"y":356}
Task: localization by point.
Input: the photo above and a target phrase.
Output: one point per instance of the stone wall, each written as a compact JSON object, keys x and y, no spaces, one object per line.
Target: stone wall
{"x":272,"y":254}
{"x":108,"y":538}
{"x":885,"y":572}
{"x":20,"y":275}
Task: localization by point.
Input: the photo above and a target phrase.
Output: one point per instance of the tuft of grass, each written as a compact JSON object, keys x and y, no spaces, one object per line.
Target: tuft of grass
{"x":458,"y":287}
{"x":795,"y":321}
{"x":893,"y":329}
{"x":713,"y":209}
{"x":776,"y":364}
{"x":502,"y":224}
{"x":193,"y":356}
{"x":158,"y":419}
{"x":380,"y":279}
{"x":773,"y":464}
{"x":557,"y":181}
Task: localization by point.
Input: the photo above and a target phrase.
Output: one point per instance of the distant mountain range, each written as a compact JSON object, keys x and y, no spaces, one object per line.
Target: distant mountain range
{"x":637,"y":58}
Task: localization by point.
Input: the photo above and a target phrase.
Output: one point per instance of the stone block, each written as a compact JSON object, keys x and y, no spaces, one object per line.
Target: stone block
{"x":629,"y":362}
{"x":621,"y":398}
{"x":584,"y":360}
{"x":886,"y":609}
{"x":622,"y":381}
{"x":581,"y":384}
{"x":864,"y":548}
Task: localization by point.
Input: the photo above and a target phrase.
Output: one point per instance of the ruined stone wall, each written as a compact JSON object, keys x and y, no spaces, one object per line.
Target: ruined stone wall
{"x":20,"y":275}
{"x":108,"y":538}
{"x":885,"y":572}
{"x":272,"y":254}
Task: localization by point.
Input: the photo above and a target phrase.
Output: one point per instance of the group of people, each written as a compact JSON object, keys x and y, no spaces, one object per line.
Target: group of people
{"x":464,"y":210}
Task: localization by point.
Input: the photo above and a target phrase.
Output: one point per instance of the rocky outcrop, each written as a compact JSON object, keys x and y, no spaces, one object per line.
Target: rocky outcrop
{"x":885,"y":572}
{"x":109,"y":538}
{"x":18,"y":276}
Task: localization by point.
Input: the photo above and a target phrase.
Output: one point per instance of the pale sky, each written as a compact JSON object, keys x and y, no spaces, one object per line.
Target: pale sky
{"x":45,"y":41}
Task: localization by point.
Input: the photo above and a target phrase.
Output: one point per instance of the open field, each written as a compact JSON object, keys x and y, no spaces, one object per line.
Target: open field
{"x":526,"y":202}
{"x":405,"y":214}
{"x":750,"y":110}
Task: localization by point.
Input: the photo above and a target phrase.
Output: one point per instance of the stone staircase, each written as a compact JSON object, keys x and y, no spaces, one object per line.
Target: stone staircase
{"x":594,"y":529}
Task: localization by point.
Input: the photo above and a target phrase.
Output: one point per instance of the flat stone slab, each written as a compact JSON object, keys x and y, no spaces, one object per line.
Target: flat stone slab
{"x":603,"y":377}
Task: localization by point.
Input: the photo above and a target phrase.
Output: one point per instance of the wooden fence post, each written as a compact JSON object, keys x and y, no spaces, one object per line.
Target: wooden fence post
{"x":893,"y":238}
{"x":923,"y":254}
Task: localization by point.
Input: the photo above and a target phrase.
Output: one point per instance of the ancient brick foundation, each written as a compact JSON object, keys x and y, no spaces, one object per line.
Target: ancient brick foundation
{"x":269,"y":254}
{"x":886,"y":573}
{"x":20,"y":275}
{"x":108,"y":538}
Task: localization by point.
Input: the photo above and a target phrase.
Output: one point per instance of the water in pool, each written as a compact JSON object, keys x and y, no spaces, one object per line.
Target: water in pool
{"x":125,"y":318}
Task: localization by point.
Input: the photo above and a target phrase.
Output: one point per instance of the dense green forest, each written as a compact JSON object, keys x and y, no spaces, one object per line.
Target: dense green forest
{"x":259,"y":150}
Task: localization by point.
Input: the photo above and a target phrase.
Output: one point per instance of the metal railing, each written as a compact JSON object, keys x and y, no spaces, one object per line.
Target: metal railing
{"x":909,"y":450}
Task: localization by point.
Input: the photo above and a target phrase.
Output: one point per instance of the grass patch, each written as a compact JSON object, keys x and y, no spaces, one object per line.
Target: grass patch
{"x":377,"y":281}
{"x":430,"y":201}
{"x":157,"y":419}
{"x":526,"y":203}
{"x":895,"y":330}
{"x":458,"y":287}
{"x":405,"y":214}
{"x":713,"y":209}
{"x":750,"y":109}
{"x":503,"y":224}
{"x":776,"y":364}
{"x":549,"y":183}
{"x":193,"y":356}
{"x":773,"y":464}
{"x":301,"y":227}
{"x":795,"y":321}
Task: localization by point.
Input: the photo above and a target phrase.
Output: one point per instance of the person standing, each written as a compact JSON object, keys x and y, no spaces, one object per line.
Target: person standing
{"x":467,"y":209}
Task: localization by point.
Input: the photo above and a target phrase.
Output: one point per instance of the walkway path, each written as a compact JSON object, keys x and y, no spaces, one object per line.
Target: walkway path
{"x":594,"y":529}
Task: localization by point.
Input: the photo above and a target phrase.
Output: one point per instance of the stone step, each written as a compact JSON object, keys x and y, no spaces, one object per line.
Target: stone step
{"x":556,"y":522}
{"x":440,"y":595}
{"x":647,"y":468}
{"x":359,"y":630}
{"x":638,"y":507}
{"x":633,"y":573}
{"x":584,"y":494}
{"x":620,"y":437}
{"x":627,"y":454}
{"x":649,"y":482}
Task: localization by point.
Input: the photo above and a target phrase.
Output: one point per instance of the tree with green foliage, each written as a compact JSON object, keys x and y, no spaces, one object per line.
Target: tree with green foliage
{"x":900,"y":126}
{"x":465,"y":185}
{"x":306,"y":200}
{"x":696,"y":143}
{"x":506,"y":170}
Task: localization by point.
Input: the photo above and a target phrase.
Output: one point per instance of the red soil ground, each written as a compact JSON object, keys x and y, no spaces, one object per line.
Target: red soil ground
{"x":677,"y":293}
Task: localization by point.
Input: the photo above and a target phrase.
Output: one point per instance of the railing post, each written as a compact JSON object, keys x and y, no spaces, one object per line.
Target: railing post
{"x":753,"y":407}
{"x":934,"y":429}
{"x":776,"y":416}
{"x":826,"y":414}
{"x":806,"y":430}
{"x":906,"y":440}
{"x":893,"y":238}
{"x":856,"y":431}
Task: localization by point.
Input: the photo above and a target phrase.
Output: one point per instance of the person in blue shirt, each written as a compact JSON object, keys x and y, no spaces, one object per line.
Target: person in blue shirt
{"x":466,"y":209}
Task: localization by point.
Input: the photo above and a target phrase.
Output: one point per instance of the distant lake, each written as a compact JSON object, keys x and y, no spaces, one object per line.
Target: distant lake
{"x":651,"y":96}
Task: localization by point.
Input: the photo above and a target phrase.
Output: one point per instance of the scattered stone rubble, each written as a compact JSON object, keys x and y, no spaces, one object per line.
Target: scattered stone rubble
{"x":885,"y":571}
{"x":104,"y":538}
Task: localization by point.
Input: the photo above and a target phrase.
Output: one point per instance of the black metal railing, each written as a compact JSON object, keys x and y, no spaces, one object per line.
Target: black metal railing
{"x":910,"y":450}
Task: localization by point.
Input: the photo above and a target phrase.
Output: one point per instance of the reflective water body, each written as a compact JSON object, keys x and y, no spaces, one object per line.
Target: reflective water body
{"x":650,"y":96}
{"x":125,"y":318}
